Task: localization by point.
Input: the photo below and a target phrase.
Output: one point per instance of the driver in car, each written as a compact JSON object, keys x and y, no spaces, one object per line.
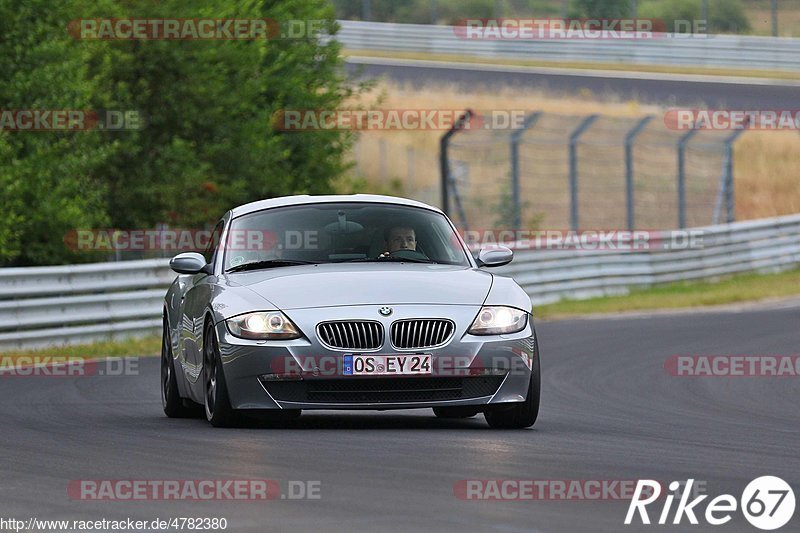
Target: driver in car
{"x":399,"y":238}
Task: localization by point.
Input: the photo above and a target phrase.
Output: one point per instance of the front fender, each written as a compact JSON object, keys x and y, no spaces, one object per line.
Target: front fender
{"x":230,"y":299}
{"x":505,"y":291}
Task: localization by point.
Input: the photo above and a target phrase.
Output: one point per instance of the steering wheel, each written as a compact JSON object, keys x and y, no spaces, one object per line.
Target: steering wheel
{"x":408,"y":254}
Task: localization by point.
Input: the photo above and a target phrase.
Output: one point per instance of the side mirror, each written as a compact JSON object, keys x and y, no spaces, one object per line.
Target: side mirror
{"x":495,"y":256}
{"x":189,"y":263}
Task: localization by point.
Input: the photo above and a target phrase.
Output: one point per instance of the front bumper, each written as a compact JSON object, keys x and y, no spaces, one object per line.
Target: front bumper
{"x":303,"y":374}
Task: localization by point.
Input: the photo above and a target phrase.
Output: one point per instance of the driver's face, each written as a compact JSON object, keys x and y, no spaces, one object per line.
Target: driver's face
{"x":402,"y":239}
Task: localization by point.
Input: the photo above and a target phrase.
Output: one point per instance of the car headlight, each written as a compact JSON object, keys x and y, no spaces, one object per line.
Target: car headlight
{"x":497,"y":320}
{"x":269,"y":325}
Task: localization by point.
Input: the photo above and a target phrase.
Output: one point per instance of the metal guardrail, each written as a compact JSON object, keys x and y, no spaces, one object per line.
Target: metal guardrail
{"x":768,"y":245}
{"x":44,"y":306}
{"x":713,"y":51}
{"x":76,"y":304}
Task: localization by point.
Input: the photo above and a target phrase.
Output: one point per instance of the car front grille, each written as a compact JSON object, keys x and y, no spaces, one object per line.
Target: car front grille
{"x":351,"y":334}
{"x":421,"y":333}
{"x":383,"y":390}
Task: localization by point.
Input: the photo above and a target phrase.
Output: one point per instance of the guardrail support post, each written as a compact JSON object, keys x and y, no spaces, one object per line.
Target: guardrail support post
{"x":444,"y":162}
{"x":516,"y":216}
{"x":682,"y":176}
{"x":573,"y":168}
{"x":629,"y":138}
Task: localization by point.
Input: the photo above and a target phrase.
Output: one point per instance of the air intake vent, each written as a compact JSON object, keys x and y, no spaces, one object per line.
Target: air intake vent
{"x":355,"y":390}
{"x":421,"y":333}
{"x":351,"y":334}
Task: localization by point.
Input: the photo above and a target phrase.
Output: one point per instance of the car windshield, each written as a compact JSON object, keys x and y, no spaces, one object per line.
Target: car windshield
{"x":341,"y":232}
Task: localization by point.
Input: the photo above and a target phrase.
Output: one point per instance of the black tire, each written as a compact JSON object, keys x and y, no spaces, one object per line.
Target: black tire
{"x":461,"y":411}
{"x":174,"y":406}
{"x":215,"y":391}
{"x":519,"y":415}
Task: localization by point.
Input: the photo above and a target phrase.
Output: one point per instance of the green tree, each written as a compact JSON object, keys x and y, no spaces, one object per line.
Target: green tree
{"x":46,"y":181}
{"x":208,"y":141}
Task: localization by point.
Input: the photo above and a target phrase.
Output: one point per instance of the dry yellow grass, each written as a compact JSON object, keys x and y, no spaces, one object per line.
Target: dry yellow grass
{"x":406,"y":162}
{"x":767,"y":174}
{"x":759,"y":13}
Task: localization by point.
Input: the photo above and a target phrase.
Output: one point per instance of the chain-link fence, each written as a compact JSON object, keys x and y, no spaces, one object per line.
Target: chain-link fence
{"x":562,"y":171}
{"x":592,"y":171}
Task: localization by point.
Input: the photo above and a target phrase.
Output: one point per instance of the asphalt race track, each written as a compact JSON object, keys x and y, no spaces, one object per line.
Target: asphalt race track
{"x":660,"y":89}
{"x":610,"y":411}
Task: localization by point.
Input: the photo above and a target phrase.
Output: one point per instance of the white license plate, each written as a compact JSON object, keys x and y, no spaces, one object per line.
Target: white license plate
{"x":387,"y":365}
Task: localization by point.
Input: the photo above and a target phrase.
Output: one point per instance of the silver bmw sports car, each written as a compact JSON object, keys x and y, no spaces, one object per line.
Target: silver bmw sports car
{"x":346,"y":302}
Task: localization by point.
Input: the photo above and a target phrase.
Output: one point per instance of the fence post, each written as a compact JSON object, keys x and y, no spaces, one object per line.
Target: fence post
{"x":462,"y":215}
{"x":703,"y":17}
{"x":573,"y":168}
{"x":516,"y":216}
{"x":774,"y":18}
{"x":444,"y":164}
{"x":728,"y":172}
{"x":684,"y":139}
{"x":629,"y":138}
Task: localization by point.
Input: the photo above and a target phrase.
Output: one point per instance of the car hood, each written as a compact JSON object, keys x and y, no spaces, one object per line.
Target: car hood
{"x":298,"y":287}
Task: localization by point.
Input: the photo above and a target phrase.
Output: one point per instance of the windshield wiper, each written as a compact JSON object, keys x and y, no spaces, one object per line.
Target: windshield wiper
{"x":271,"y":263}
{"x":390,"y":260}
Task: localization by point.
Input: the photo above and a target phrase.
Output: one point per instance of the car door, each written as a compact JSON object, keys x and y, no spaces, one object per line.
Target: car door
{"x":195,"y":303}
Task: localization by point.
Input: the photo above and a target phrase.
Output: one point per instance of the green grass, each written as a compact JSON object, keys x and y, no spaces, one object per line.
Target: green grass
{"x":144,"y":346}
{"x":740,"y":288}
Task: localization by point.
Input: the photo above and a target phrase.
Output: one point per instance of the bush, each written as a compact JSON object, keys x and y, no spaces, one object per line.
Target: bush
{"x":601,"y":9}
{"x":727,"y":16}
{"x":723,"y":15}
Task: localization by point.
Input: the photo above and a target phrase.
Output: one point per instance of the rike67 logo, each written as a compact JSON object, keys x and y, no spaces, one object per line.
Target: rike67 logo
{"x":767,"y":503}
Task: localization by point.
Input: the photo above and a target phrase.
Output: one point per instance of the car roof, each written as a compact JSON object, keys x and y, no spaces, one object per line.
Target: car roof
{"x":326,"y":199}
